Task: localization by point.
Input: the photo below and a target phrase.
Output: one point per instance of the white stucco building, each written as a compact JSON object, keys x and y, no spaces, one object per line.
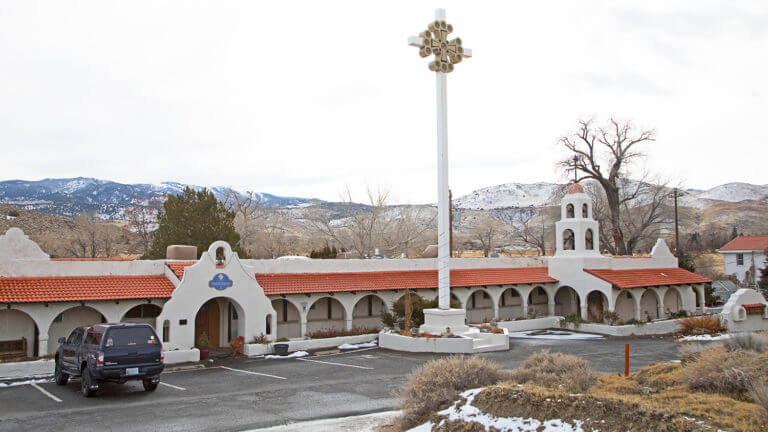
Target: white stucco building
{"x":744,"y":257}
{"x":42,"y":299}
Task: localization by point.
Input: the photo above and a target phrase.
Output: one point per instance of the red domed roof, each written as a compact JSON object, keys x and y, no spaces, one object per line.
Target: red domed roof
{"x":575,"y":188}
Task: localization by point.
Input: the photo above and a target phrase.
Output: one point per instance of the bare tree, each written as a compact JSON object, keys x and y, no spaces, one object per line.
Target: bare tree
{"x":604,"y":153}
{"x":248,"y":209}
{"x":534,"y":235}
{"x":142,"y":218}
{"x":487,"y":231}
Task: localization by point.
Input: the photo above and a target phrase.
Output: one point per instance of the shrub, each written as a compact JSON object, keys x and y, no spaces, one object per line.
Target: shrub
{"x":260,"y":339}
{"x":437,"y":383}
{"x":13,"y":213}
{"x":635,"y":322}
{"x":329,"y":333}
{"x":282,"y":339}
{"x":554,"y":370}
{"x":706,"y":324}
{"x":723,"y":371}
{"x":678,"y":314}
{"x":747,"y":341}
{"x":418,"y":305}
{"x":203,"y":340}
{"x":571,"y":318}
{"x":612,"y":317}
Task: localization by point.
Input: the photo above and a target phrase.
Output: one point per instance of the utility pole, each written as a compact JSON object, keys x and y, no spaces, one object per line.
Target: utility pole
{"x":450,"y":218}
{"x":677,"y":230}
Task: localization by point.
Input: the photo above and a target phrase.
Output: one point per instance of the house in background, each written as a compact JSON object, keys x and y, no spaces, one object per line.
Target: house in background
{"x":744,"y":256}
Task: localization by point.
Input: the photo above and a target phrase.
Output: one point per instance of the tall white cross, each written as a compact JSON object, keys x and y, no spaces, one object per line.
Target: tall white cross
{"x":447,"y":53}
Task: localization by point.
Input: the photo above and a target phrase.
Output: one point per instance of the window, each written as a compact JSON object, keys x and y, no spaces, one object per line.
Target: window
{"x":585,"y":211}
{"x":269,"y":324}
{"x":72,"y":337}
{"x":740,"y":259}
{"x":93,"y":338}
{"x":59,"y":318}
{"x":130,"y":336}
{"x":370,"y":305}
{"x":569,"y":212}
{"x":589,"y":241}
{"x":330,"y":310}
{"x":166,"y":331}
{"x":474,"y":303}
{"x":285,"y":310}
{"x":568,"y":242}
{"x":78,"y":337}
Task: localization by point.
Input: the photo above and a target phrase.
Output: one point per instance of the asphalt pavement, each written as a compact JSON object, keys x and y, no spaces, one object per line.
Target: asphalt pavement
{"x":255,"y":393}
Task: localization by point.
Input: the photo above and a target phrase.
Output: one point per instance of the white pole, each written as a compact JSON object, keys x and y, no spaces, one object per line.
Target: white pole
{"x":443,"y":214}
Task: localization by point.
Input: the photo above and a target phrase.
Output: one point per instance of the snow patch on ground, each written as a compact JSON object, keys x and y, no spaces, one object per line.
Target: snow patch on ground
{"x":288,"y":356}
{"x":471,"y":414}
{"x":32,"y":381}
{"x":347,"y":346}
{"x":704,"y":338}
{"x":559,"y":335}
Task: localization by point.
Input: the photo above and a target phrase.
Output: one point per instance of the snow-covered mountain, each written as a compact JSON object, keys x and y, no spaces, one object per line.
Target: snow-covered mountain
{"x":736,"y":192}
{"x":70,"y":196}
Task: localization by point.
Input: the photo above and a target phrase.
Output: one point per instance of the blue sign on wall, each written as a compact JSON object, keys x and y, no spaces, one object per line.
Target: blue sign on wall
{"x":220,"y":282}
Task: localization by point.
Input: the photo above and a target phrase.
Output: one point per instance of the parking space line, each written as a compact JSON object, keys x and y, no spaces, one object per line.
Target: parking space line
{"x":172,"y":386}
{"x":46,"y":392}
{"x":336,"y":364}
{"x":252,"y":373}
{"x":348,"y":352}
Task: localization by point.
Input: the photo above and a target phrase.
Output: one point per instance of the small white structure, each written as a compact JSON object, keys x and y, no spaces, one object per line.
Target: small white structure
{"x":744,"y":257}
{"x":746,"y":311}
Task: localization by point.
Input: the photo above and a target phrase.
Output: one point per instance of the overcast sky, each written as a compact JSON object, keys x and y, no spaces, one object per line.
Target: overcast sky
{"x":308,"y":98}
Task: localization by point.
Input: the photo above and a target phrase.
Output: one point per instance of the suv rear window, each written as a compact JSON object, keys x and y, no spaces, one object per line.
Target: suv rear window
{"x":130,"y":336}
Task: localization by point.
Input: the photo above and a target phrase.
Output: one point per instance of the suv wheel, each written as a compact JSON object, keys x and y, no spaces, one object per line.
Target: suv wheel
{"x":87,"y":383}
{"x":149,"y":385}
{"x":60,"y":376}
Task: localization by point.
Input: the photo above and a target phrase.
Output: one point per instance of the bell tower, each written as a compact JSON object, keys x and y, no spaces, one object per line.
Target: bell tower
{"x":576,"y":233}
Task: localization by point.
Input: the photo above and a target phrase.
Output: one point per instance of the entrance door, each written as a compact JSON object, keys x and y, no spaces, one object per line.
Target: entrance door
{"x":207,"y":320}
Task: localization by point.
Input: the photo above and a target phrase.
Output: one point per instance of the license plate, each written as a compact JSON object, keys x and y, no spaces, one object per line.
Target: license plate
{"x":132,"y":371}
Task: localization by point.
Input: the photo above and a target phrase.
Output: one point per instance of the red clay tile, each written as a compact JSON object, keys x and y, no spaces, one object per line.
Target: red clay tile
{"x":82,"y":288}
{"x":648,"y":277}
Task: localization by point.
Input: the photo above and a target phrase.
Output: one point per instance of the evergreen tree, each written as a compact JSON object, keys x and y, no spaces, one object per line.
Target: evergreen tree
{"x":762,"y":284}
{"x":685,"y":261}
{"x":194,"y":218}
{"x":734,"y":233}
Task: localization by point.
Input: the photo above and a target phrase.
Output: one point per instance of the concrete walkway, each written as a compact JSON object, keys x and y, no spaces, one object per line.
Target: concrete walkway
{"x":361,"y":423}
{"x":27,"y":369}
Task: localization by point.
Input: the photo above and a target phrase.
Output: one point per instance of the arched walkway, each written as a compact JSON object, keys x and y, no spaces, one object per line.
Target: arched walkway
{"x":367,"y":312}
{"x":510,"y":305}
{"x":538,"y":303}
{"x":325,"y":313}
{"x":16,"y":324}
{"x":288,"y":319}
{"x":479,"y":307}
{"x":625,"y":306}
{"x":218,"y":321}
{"x":672,"y":301}
{"x":68,"y":320}
{"x":649,"y":305}
{"x":567,"y":302}
{"x":597,"y":302}
{"x":144,"y":313}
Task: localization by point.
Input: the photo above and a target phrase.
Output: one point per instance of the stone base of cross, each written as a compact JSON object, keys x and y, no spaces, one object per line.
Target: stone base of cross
{"x":434,"y":41}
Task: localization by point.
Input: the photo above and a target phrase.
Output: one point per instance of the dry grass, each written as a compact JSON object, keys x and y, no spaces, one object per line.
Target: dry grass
{"x":747,"y":341}
{"x":437,"y":383}
{"x":555,"y":370}
{"x":759,"y":392}
{"x":726,"y":372}
{"x":707,"y":324}
{"x":329,"y":333}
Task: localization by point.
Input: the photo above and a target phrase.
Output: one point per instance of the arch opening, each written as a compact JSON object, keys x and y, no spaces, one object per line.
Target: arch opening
{"x":597,"y":303}
{"x":538,"y":301}
{"x":585,"y":211}
{"x":479,"y":307}
{"x":19,"y":329}
{"x":569,"y":211}
{"x":146,"y":313}
{"x":326,"y":313}
{"x":71,"y":318}
{"x":510,"y":305}
{"x":589,"y":239}
{"x":367,"y":312}
{"x":625,"y":306}
{"x":217,"y":322}
{"x":672,"y":301}
{"x":288,"y":319}
{"x":567,"y":302}
{"x":649,"y":305}
{"x":568,"y":240}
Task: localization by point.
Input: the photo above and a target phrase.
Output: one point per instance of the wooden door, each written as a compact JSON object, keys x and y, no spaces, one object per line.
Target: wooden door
{"x":207,"y":320}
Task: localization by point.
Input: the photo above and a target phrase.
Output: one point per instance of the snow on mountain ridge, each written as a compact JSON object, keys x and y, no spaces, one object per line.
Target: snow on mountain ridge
{"x":508,"y":195}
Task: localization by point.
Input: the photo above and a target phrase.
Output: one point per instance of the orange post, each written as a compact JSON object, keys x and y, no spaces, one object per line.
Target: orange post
{"x":626,"y":360}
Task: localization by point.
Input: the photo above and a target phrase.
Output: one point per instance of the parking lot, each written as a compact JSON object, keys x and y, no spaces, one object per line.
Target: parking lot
{"x":252,"y":393}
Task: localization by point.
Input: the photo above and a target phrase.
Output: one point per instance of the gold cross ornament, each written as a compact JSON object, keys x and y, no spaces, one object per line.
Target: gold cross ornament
{"x":435,"y":41}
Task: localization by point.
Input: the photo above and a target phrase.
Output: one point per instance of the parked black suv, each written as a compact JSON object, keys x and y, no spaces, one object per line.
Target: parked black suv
{"x":110,"y":352}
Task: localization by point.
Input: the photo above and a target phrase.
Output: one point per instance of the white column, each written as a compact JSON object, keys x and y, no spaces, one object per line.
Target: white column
{"x":443,"y":222}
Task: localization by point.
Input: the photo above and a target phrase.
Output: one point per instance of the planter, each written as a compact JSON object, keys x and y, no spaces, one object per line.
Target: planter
{"x":204,"y":354}
{"x":281,"y":348}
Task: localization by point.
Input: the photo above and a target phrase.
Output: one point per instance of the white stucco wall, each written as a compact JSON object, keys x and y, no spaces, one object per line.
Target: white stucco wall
{"x":731,"y":267}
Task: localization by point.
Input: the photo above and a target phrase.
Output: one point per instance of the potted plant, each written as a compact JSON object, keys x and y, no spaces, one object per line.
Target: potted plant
{"x":203,"y":343}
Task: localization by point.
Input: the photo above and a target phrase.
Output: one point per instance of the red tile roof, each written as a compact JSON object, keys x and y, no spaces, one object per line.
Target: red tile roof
{"x":82,"y":288}
{"x":177,"y":267}
{"x":94,"y":259}
{"x":289,"y":283}
{"x":747,"y":243}
{"x":575,"y":188}
{"x":648,"y":277}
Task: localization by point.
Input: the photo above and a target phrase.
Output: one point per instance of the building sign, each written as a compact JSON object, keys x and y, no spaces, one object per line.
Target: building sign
{"x":220,"y":282}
